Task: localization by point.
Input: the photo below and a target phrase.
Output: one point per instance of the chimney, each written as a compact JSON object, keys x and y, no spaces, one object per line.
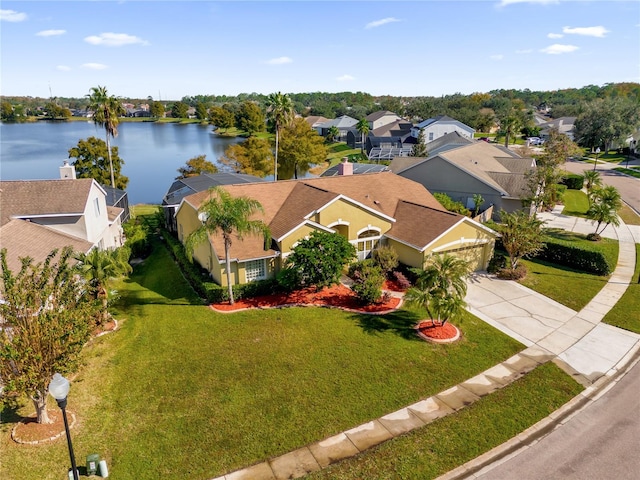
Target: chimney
{"x":67,"y":171}
{"x":345,"y":168}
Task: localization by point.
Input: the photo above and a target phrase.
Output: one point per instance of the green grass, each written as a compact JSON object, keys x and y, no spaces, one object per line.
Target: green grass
{"x":569,"y":287}
{"x":628,"y":215}
{"x":437,"y":448}
{"x":181,"y":391}
{"x":626,"y":313}
{"x":628,"y":171}
{"x":608,"y":246}
{"x":576,"y":203}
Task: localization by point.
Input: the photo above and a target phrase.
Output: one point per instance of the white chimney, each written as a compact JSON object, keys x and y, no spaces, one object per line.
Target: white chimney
{"x":67,"y":171}
{"x":345,"y":168}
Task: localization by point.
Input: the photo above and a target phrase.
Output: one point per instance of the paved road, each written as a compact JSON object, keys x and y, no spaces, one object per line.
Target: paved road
{"x":629,"y":187}
{"x":600,"y":442}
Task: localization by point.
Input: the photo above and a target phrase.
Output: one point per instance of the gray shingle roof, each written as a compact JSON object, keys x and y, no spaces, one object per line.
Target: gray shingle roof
{"x":186,"y":186}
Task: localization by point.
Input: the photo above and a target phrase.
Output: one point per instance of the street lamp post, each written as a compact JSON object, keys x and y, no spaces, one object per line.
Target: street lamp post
{"x":596,"y":162}
{"x":59,"y":389}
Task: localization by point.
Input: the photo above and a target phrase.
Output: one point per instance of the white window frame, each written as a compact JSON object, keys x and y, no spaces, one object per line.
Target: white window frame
{"x":255,"y":270}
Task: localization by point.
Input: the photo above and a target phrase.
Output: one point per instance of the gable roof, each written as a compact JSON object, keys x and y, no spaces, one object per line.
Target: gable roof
{"x":24,"y":198}
{"x":420,"y":234}
{"x":358,"y":169}
{"x":344,"y":121}
{"x":372,"y":117}
{"x":288,"y":204}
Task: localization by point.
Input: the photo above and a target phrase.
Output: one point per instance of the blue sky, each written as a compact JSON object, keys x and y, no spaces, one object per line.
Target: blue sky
{"x":170,"y":49}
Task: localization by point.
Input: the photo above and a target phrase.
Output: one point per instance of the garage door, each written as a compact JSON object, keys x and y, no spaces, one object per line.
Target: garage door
{"x":474,"y":254}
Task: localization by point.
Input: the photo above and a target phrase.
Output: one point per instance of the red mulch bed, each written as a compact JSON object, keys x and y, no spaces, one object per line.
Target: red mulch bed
{"x":336,"y":296}
{"x":437,"y":332}
{"x":393,"y":286}
{"x":30,"y":431}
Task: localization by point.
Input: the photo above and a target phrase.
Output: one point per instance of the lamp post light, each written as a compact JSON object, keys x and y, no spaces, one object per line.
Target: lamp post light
{"x":59,"y":389}
{"x":596,"y":162}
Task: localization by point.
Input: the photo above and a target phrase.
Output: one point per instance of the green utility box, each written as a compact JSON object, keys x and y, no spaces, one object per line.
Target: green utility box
{"x":92,"y":463}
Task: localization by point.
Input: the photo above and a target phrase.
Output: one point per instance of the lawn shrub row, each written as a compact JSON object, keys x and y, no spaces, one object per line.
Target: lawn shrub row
{"x":200,"y":280}
{"x":573,"y":181}
{"x":580,"y":257}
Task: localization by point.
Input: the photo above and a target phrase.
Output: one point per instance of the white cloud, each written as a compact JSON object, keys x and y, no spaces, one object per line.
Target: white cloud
{"x":557,"y":49}
{"x":598,"y":31}
{"x":504,"y":3}
{"x":63,"y":68}
{"x":114,"y":39}
{"x":94,"y":66}
{"x":279,"y":61}
{"x":379,"y":23}
{"x":496,"y":57}
{"x":12,"y":16}
{"x":50,"y":33}
{"x":555,"y":35}
{"x":345,"y":78}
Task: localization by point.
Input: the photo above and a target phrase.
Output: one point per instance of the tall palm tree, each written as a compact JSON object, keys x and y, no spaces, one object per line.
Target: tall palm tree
{"x":98,"y":267}
{"x":280,"y":111}
{"x":363,"y":127}
{"x":227,"y":215}
{"x":441,"y":287}
{"x":106,"y":112}
{"x":333,"y":133}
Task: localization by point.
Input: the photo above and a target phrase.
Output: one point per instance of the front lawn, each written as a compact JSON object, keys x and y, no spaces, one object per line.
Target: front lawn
{"x":437,"y":448}
{"x":180,"y":391}
{"x":626,"y":313}
{"x":576,"y":203}
{"x":628,"y":171}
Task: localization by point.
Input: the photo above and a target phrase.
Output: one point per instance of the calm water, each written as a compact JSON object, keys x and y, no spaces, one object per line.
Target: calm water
{"x":152,"y":152}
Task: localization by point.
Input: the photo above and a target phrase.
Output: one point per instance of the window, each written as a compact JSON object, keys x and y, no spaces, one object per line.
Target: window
{"x":367,"y":241}
{"x":255,"y":270}
{"x":96,"y":206}
{"x":430,"y":136}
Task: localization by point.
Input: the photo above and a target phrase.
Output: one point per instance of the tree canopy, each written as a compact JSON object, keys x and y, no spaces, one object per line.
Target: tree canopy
{"x":253,"y":156}
{"x":300,"y":147}
{"x":196,"y":166}
{"x":521,"y":235}
{"x":92,"y":161}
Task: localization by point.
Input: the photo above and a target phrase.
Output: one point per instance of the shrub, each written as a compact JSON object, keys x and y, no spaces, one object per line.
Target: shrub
{"x":498,"y":262}
{"x":573,"y":181}
{"x":288,"y":279}
{"x":367,"y":281}
{"x":401,"y":279}
{"x":578,"y":257}
{"x":512,"y":274}
{"x":451,"y":205}
{"x":386,"y":258}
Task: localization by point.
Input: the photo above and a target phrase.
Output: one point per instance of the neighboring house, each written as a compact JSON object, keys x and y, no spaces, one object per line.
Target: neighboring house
{"x":439,"y":126}
{"x":389,"y":136}
{"x":381,"y":118}
{"x":40,"y":215}
{"x":496,"y":173}
{"x":187,"y":186}
{"x":119,"y":199}
{"x":345,"y":167}
{"x":564,"y":125}
{"x":344,"y":124}
{"x":368,"y":209}
{"x":315,"y":122}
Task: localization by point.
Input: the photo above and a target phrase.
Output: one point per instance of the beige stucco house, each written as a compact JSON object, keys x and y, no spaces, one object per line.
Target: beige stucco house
{"x":368,"y":209}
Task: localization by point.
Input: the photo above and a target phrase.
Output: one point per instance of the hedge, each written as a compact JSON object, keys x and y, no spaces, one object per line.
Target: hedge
{"x":573,"y":181}
{"x":579,"y":258}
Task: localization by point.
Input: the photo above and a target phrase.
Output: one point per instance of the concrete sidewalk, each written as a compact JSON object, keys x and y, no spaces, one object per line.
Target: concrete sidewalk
{"x":577,"y":341}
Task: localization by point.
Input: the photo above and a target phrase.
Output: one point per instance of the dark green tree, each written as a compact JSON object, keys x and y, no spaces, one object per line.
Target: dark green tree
{"x":92,"y":161}
{"x":179,"y":110}
{"x":222,"y":118}
{"x":250,"y":118}
{"x":420,"y":148}
{"x":196,"y":166}
{"x":606,"y":120}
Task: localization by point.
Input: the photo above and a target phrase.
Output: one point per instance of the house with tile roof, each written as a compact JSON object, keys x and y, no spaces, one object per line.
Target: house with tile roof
{"x":37,"y":216}
{"x":439,"y":126}
{"x":368,"y":209}
{"x":496,"y":173}
{"x":183,"y":187}
{"x":344,"y":124}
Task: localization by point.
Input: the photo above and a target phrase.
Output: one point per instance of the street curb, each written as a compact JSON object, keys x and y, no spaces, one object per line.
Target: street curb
{"x":535,"y":433}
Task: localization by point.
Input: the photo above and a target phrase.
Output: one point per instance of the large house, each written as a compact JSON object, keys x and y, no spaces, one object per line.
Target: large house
{"x":37,"y":216}
{"x":368,"y":209}
{"x":439,"y":126}
{"x":496,"y":173}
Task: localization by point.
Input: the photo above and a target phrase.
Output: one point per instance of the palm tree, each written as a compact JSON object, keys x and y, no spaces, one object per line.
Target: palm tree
{"x":106,"y":112}
{"x":363,"y":127}
{"x":98,"y":267}
{"x":440,"y":288}
{"x":229,"y":216}
{"x":592,"y":179}
{"x":280,"y":111}
{"x":333,"y":133}
{"x":604,"y":205}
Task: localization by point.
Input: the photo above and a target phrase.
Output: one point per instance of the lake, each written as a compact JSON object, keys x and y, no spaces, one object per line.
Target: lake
{"x":152,"y":152}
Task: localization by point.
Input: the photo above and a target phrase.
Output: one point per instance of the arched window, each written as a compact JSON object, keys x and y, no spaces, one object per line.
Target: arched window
{"x":367,"y":241}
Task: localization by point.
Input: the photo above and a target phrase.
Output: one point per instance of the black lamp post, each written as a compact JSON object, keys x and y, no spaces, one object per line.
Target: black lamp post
{"x":59,"y":389}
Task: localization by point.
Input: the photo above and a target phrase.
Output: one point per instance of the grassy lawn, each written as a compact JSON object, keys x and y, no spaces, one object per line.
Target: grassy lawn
{"x":437,"y":448}
{"x":576,"y":203}
{"x":180,"y":391}
{"x":629,"y":216}
{"x":578,"y":288}
{"x":628,"y":171}
{"x":626,"y":313}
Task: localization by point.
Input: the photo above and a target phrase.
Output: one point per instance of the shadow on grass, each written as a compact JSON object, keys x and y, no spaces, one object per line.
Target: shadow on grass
{"x":400,"y":322}
{"x":9,"y":412}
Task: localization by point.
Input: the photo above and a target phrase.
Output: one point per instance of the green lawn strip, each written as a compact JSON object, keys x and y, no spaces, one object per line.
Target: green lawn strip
{"x":628,"y":171}
{"x":569,"y":287}
{"x":576,"y":203}
{"x":437,"y":448}
{"x":628,"y":215}
{"x":626,"y":312}
{"x":608,"y":246}
{"x":181,"y":391}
